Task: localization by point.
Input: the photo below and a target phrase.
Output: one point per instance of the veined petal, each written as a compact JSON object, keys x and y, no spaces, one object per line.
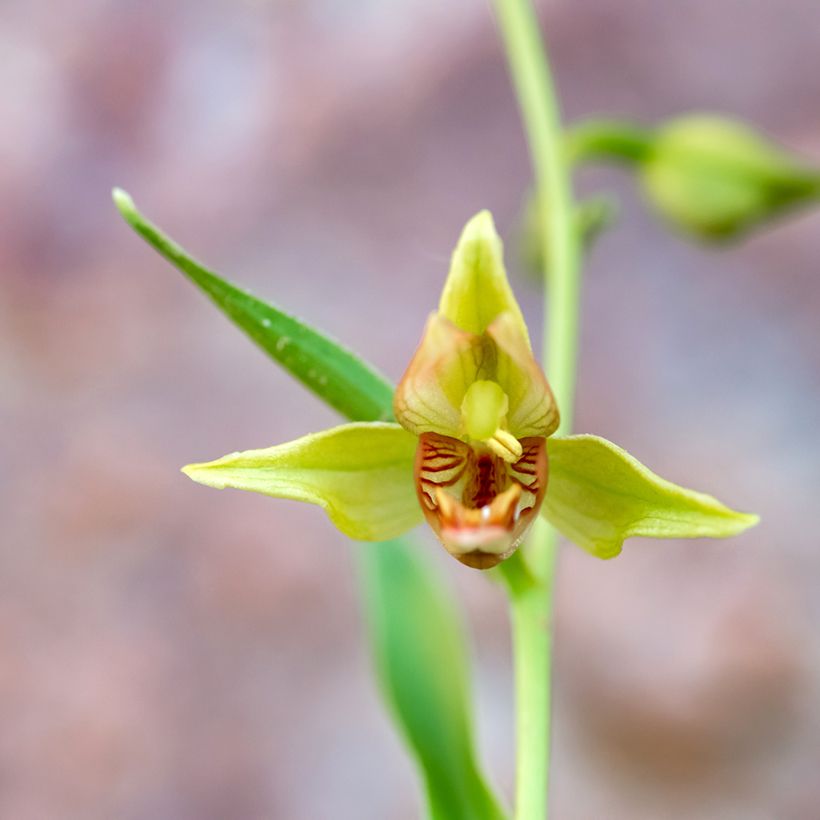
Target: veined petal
{"x":599,"y":495}
{"x":477,"y":290}
{"x":532,"y":410}
{"x":447,"y":362}
{"x":360,"y":474}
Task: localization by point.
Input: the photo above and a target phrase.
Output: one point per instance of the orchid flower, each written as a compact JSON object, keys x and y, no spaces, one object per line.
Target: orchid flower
{"x":473,"y":450}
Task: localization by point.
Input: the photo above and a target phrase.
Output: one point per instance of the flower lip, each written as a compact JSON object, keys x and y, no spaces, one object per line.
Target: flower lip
{"x":479,"y":537}
{"x":479,"y":505}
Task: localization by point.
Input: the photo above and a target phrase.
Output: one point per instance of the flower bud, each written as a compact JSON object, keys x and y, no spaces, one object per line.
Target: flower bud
{"x":716,"y":178}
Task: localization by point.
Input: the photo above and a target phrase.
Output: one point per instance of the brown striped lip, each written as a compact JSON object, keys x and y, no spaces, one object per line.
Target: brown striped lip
{"x":479,"y":506}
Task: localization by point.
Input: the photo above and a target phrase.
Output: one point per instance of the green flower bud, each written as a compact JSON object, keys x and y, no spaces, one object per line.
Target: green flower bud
{"x":716,"y":178}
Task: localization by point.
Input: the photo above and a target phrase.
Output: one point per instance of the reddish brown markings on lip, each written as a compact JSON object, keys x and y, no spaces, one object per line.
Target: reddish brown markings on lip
{"x":472,"y":496}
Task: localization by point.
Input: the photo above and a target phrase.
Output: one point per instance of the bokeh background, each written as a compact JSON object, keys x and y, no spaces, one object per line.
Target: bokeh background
{"x":167,"y":652}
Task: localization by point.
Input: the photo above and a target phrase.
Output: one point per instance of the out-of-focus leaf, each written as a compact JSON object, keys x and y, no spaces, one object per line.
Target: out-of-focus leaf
{"x":419,"y":650}
{"x":336,"y":375}
{"x":361,"y":474}
{"x":599,"y":495}
{"x":420,"y":653}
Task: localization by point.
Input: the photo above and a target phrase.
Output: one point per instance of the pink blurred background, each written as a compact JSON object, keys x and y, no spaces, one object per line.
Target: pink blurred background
{"x":169,"y":652}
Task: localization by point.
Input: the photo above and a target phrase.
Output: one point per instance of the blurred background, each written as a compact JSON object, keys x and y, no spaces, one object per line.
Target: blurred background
{"x":167,"y":652}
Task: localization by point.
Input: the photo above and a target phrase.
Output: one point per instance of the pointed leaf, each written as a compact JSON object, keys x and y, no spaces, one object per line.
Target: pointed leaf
{"x":420,"y":655}
{"x":477,"y":289}
{"x":598,"y":495}
{"x":331,"y":371}
{"x":361,"y":474}
{"x":395,"y":572}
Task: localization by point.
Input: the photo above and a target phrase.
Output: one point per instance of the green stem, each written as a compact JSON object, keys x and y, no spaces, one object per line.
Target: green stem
{"x":614,"y":140}
{"x":530,"y":609}
{"x":531,"y":594}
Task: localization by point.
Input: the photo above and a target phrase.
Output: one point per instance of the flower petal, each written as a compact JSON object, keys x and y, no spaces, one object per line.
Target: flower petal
{"x":599,"y":495}
{"x":477,"y":290}
{"x":360,"y":474}
{"x":447,"y":362}
{"x":532,"y":410}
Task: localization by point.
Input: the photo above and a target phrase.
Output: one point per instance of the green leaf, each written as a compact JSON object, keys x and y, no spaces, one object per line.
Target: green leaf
{"x":361,"y":474}
{"x":397,"y":574}
{"x":419,"y":651}
{"x":332,"y":372}
{"x":598,"y":495}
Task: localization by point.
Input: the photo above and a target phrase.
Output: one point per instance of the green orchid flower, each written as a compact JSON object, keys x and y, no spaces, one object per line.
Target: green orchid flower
{"x":472,"y":451}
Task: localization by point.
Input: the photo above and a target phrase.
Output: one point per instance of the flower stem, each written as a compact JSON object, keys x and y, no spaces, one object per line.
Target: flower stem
{"x":607,"y":140}
{"x":531,"y":589}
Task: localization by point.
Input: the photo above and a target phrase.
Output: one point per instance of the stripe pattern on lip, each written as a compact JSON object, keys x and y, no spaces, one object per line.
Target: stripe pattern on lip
{"x":479,"y":506}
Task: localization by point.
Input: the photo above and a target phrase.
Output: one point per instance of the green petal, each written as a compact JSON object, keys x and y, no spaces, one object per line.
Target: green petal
{"x":598,"y":495}
{"x":477,"y":290}
{"x":429,"y":395}
{"x":361,"y":474}
{"x":532,"y":410}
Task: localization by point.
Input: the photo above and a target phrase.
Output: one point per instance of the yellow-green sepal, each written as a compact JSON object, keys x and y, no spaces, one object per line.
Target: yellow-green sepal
{"x":477,"y":289}
{"x":361,"y":474}
{"x":599,"y":495}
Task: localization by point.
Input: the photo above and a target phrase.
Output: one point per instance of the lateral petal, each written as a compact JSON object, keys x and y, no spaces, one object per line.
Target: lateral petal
{"x":448,"y":360}
{"x":532,"y":410}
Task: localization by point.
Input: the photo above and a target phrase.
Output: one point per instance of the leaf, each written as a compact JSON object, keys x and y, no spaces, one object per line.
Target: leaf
{"x":397,"y":576}
{"x":361,"y":474}
{"x":332,"y":372}
{"x":420,"y":655}
{"x":598,"y":495}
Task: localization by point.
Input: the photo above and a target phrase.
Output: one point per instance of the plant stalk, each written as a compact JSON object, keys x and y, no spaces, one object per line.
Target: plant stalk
{"x":531,"y":589}
{"x":607,"y":140}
